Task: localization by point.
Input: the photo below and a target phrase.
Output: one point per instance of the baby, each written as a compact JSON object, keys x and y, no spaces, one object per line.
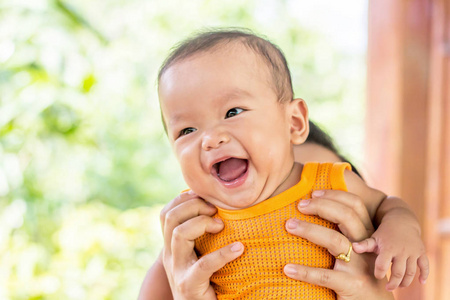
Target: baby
{"x":229,"y":111}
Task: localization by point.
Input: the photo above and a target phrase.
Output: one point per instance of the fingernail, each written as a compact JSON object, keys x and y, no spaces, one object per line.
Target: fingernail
{"x":318,"y":193}
{"x":236,"y":247}
{"x":218,"y":220}
{"x":304,"y":203}
{"x":291,"y":224}
{"x":290,"y":270}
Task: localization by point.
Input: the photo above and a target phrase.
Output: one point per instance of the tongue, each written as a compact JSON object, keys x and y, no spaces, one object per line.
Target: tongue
{"x":231,"y":169}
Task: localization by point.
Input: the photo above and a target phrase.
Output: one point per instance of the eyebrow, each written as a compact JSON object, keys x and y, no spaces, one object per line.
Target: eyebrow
{"x":175,"y":119}
{"x":230,"y":95}
{"x":235,"y":93}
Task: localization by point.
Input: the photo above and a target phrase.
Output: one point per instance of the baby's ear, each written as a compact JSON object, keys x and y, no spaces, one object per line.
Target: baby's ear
{"x":299,"y":121}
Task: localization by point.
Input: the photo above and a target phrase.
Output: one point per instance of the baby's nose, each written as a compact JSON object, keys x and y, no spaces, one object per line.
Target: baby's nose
{"x":214,"y":139}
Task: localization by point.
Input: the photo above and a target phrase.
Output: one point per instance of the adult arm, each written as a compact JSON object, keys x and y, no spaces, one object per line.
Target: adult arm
{"x":156,"y":284}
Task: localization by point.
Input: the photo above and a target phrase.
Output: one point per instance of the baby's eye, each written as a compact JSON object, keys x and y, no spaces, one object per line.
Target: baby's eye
{"x":233,"y":112}
{"x":186,"y":131}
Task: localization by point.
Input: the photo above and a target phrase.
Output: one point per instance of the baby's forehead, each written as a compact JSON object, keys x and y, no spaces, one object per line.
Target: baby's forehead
{"x":226,"y":50}
{"x":235,"y":51}
{"x":219,"y":57}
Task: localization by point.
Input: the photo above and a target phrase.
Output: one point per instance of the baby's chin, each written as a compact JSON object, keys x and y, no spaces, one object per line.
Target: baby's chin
{"x":234,"y":204}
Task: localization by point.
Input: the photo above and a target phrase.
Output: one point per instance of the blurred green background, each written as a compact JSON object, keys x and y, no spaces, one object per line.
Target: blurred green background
{"x":84,"y":163}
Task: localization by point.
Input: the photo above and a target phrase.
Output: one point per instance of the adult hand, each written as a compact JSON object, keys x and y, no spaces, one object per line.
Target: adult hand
{"x":352,"y":280}
{"x":184,"y":219}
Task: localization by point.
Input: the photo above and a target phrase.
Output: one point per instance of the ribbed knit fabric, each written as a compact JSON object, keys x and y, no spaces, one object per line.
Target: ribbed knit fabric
{"x":258,"y":273}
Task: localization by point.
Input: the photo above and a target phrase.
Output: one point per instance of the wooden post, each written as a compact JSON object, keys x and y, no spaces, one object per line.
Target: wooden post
{"x":437,"y":219}
{"x":408,"y":121}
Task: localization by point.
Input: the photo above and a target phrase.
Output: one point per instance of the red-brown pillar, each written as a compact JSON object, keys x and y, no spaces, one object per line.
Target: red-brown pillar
{"x":408,"y":121}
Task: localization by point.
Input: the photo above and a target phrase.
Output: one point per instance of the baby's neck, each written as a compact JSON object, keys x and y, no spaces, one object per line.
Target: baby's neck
{"x":291,"y":179}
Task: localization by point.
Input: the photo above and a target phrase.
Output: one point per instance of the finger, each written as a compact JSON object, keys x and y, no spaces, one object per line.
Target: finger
{"x":398,"y":269}
{"x":184,"y":235}
{"x":367,"y":245}
{"x":334,"y":241}
{"x":382,"y":264}
{"x":348,"y":221}
{"x":411,"y":269}
{"x":181,"y":198}
{"x":335,"y":280}
{"x":183,"y":212}
{"x":348,"y":199}
{"x":204,"y":268}
{"x":424,"y":267}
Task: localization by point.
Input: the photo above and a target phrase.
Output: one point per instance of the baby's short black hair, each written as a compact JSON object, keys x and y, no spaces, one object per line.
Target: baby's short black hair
{"x":218,"y":38}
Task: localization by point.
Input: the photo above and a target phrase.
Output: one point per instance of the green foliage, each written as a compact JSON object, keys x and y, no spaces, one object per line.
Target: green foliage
{"x":92,"y":251}
{"x":84,"y":162}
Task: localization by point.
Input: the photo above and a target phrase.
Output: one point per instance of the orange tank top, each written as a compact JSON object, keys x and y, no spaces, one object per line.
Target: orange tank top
{"x":258,"y":272}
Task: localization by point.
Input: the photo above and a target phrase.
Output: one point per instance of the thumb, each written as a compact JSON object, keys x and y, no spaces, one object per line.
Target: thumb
{"x":367,"y":245}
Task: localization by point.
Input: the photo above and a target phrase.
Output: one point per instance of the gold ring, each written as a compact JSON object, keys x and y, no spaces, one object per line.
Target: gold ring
{"x":346,"y":257}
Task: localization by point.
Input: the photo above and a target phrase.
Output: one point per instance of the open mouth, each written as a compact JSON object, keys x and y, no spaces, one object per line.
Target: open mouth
{"x":231,"y":169}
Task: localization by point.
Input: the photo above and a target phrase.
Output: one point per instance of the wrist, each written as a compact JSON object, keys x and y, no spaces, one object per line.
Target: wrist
{"x":391,"y":205}
{"x":401,"y":216}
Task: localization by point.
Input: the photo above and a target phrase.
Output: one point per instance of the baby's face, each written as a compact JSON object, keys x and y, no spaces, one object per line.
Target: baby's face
{"x":230,"y":134}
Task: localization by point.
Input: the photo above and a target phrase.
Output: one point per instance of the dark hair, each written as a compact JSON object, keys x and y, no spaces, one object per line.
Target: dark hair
{"x":320,"y":137}
{"x":218,"y":38}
